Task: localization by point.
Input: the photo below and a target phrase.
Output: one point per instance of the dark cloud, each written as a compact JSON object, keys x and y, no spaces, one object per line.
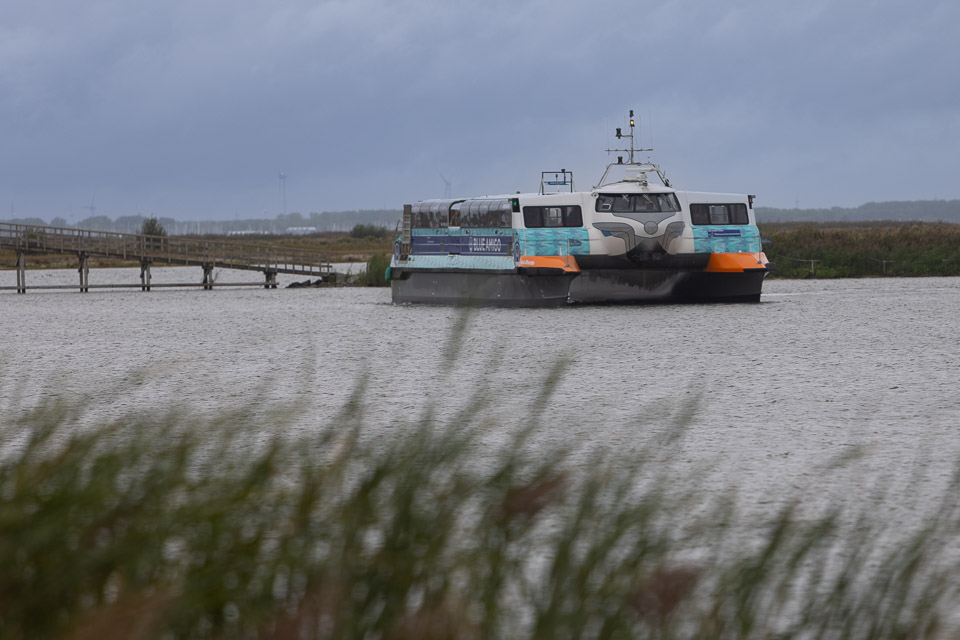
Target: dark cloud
{"x":191,"y":109}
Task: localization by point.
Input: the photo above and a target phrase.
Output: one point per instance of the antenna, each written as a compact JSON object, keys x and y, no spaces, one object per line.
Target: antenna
{"x":650,"y":126}
{"x":642,"y":167}
{"x":283,"y":190}
{"x":632,"y":150}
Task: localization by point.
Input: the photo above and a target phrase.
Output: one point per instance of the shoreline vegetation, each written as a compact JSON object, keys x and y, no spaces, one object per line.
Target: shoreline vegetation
{"x":799,"y":249}
{"x":862,"y":249}
{"x":445,"y":522}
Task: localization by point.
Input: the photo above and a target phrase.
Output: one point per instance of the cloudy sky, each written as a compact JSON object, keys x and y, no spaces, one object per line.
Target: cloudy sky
{"x":192,"y":108}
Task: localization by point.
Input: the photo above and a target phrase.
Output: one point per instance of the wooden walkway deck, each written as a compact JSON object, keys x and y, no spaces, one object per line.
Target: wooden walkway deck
{"x":149,"y":250}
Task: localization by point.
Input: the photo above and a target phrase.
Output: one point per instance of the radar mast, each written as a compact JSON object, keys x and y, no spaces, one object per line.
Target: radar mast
{"x":637,"y":167}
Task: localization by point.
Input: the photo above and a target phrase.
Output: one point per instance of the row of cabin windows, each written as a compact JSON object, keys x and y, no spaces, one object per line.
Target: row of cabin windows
{"x":483,"y":214}
{"x":700,"y":214}
{"x":637,"y":203}
{"x":428,"y":219}
{"x":729,"y":213}
{"x":488,"y":214}
{"x":431,"y":214}
{"x":539,"y":217}
{"x":471,"y":214}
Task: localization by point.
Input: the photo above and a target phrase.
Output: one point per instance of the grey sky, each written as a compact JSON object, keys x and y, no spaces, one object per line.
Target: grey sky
{"x":191,"y":108}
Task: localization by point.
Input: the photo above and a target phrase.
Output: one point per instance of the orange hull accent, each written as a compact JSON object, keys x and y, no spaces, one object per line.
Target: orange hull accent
{"x":565,"y":263}
{"x":736,"y":262}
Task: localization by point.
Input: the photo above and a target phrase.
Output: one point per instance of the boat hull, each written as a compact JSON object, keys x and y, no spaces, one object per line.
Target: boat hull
{"x":506,"y":289}
{"x":599,"y":286}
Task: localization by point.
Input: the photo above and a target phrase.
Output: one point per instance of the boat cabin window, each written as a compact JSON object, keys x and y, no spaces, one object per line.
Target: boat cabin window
{"x":486,"y":214}
{"x":432,"y":214}
{"x":637,"y":203}
{"x":438,"y":213}
{"x":538,"y":217}
{"x":426,"y":215}
{"x":727,"y":213}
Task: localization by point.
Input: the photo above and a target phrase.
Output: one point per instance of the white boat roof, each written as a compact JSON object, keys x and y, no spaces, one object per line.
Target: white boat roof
{"x":632,"y":186}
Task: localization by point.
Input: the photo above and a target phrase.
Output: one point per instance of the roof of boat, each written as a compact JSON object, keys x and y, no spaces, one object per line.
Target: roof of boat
{"x":626,"y":186}
{"x":632,"y":186}
{"x":612,"y":188}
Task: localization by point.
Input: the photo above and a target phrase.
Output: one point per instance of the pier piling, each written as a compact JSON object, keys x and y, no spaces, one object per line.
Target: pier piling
{"x":271,"y":278}
{"x":207,"y":276}
{"x":144,"y":275}
{"x":21,"y":272}
{"x":84,"y":271}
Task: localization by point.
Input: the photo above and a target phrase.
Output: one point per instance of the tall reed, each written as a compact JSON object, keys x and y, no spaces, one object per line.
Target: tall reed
{"x":863,"y":249}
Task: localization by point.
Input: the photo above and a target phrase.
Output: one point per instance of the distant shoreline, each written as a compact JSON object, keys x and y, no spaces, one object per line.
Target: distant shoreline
{"x":862,"y":250}
{"x":800,"y":250}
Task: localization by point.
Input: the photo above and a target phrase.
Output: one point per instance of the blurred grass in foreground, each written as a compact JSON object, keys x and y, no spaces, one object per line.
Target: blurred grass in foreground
{"x":166,"y":525}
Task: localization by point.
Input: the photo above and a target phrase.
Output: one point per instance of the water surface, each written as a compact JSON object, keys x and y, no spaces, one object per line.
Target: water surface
{"x":767,"y":394}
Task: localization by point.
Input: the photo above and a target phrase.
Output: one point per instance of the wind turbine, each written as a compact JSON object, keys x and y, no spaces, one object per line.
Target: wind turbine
{"x":447,"y":191}
{"x":92,"y":208}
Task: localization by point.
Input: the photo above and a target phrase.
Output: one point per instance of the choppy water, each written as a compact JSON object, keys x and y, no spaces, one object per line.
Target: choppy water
{"x":779,"y":388}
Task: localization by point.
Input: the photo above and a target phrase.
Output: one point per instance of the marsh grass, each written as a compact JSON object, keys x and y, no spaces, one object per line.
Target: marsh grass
{"x":375,"y":273}
{"x":851,"y":250}
{"x":169,"y":524}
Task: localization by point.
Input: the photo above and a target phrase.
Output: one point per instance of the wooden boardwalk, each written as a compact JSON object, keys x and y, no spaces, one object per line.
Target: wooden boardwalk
{"x":150,"y":250}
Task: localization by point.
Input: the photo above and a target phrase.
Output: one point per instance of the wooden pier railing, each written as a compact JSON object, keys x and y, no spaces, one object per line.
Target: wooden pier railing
{"x":167,"y":250}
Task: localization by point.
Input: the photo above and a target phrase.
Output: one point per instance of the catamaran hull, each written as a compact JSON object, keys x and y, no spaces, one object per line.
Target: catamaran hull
{"x":606,"y":286}
{"x":501,"y":289}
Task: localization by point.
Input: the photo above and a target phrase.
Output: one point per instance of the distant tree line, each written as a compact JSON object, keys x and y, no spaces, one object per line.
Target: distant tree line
{"x":915,"y":210}
{"x":383,"y":219}
{"x":123,"y":224}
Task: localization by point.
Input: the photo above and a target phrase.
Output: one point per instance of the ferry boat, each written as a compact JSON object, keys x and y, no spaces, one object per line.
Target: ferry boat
{"x":632,"y":239}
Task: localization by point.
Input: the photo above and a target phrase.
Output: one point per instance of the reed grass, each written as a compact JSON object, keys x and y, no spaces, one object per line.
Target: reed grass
{"x":168,"y":524}
{"x":375,"y":273}
{"x":863,"y":249}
